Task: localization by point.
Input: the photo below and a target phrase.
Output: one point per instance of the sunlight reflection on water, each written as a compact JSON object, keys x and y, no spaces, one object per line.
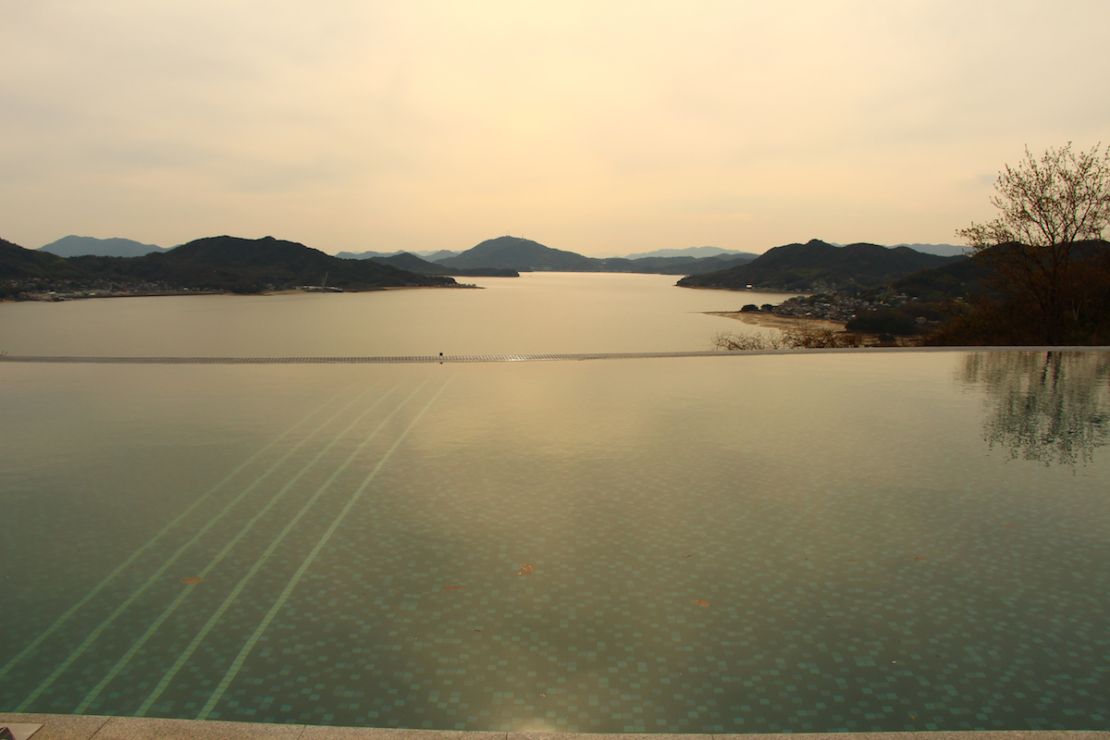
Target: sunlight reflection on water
{"x":714,"y":544}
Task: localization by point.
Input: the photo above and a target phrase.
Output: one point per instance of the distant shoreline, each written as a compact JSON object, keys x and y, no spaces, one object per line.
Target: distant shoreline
{"x":62,"y":297}
{"x":740,"y":291}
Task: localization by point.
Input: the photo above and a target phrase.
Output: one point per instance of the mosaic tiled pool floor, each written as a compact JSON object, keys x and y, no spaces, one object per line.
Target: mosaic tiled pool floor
{"x":845,"y":543}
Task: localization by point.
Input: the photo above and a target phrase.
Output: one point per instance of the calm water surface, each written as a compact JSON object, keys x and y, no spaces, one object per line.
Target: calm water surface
{"x":718,"y":544}
{"x":535,"y":313}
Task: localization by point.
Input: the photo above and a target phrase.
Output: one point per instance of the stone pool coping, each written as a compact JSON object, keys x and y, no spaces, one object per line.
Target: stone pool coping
{"x":93,"y":727}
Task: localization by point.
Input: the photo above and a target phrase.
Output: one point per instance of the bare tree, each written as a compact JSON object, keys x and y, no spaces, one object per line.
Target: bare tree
{"x":1052,"y":407}
{"x":747,"y":342}
{"x":796,"y":337}
{"x":1046,"y":205}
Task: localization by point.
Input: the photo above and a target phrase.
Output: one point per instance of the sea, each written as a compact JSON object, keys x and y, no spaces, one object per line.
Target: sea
{"x":540,"y":312}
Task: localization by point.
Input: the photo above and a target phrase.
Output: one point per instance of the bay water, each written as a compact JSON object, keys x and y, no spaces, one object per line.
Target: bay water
{"x":535,"y":313}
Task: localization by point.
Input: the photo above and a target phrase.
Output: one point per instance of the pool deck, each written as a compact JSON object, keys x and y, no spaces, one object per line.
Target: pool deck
{"x":90,"y":727}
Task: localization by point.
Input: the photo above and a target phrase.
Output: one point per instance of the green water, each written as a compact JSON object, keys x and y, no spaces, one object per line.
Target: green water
{"x":795,"y":543}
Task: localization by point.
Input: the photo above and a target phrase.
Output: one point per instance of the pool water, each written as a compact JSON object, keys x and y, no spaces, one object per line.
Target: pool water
{"x":845,"y":542}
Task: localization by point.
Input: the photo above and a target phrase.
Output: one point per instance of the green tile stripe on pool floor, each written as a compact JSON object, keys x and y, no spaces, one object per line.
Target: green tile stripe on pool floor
{"x":126,"y":603}
{"x":202,"y":499}
{"x":170,"y":674}
{"x":237,"y":662}
{"x":231,"y":543}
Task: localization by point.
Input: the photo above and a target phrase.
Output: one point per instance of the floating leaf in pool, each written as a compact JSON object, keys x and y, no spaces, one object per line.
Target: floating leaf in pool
{"x":526,"y":570}
{"x":703,"y":603}
{"x":191,"y":580}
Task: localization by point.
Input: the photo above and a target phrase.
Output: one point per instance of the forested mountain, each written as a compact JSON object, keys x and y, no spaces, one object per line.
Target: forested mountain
{"x":817,"y":265}
{"x":525,"y":255}
{"x":515,"y":253}
{"x":943,"y":250}
{"x":237,"y":264}
{"x":957,"y":279}
{"x":412,"y":263}
{"x":233,"y":263}
{"x":671,"y":265}
{"x":220,"y":263}
{"x":523,"y":251}
{"x":17,"y":262}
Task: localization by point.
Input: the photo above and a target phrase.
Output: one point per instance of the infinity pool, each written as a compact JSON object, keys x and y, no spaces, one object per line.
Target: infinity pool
{"x":828,"y":542}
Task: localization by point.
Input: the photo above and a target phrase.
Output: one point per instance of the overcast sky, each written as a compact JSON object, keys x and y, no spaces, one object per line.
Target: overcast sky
{"x":601,"y":126}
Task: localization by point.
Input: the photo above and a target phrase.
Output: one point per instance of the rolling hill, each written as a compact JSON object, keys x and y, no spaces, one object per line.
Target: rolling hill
{"x":514,"y":253}
{"x":220,"y":263}
{"x":20,"y":263}
{"x":817,"y":265}
{"x":412,"y":263}
{"x":943,"y":250}
{"x":234,"y":263}
{"x":525,"y":255}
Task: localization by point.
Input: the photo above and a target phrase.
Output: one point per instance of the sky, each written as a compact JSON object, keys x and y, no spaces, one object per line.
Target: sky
{"x":603,"y":127}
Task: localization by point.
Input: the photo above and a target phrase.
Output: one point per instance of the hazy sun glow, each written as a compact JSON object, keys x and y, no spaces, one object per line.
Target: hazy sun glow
{"x":599,"y":127}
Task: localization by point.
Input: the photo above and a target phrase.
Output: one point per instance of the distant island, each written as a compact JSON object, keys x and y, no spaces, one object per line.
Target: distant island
{"x":412,"y":263}
{"x":76,"y":266}
{"x":820,"y":266}
{"x":90,"y":246}
{"x":689,"y":252}
{"x":505,"y":256}
{"x":213,"y":264}
{"x":513,"y":254}
{"x":432,"y":256}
